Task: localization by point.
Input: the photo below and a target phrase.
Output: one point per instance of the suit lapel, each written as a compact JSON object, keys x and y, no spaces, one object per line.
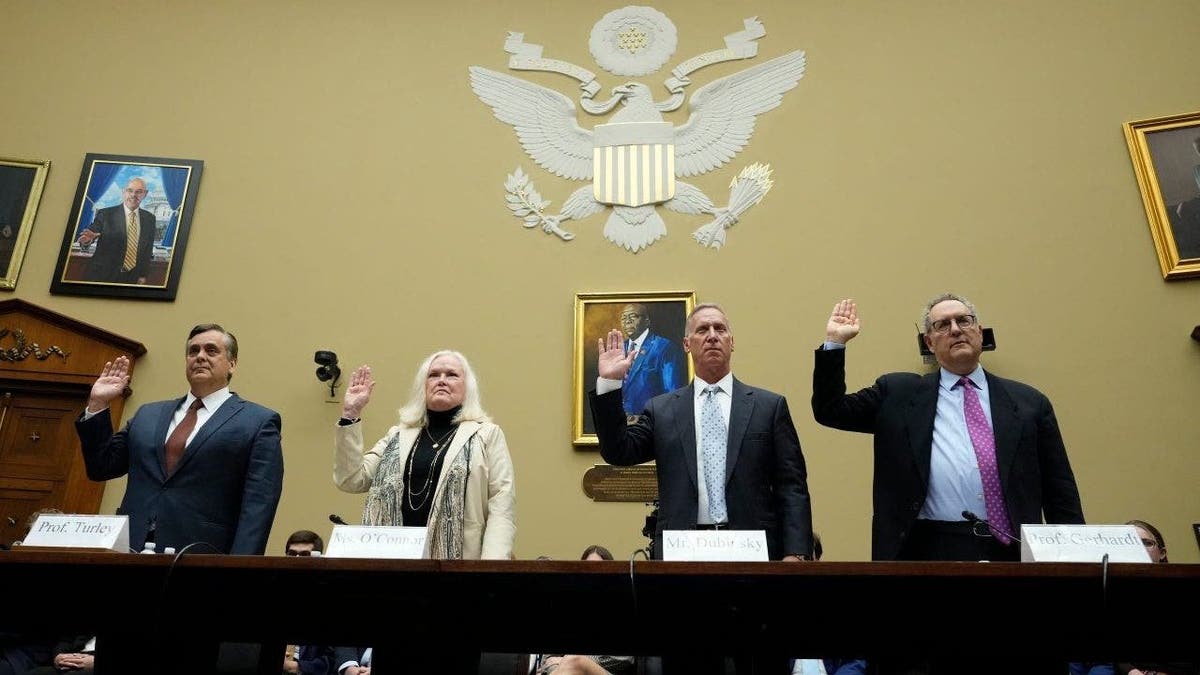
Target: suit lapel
{"x":683,"y":405}
{"x":222,"y":415}
{"x":922,"y":411}
{"x":1005,"y":428}
{"x":740,"y":410}
{"x":465,"y":431}
{"x":160,"y":433}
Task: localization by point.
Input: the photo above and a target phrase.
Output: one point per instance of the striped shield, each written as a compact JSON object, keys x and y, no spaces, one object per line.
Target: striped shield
{"x":633,"y":163}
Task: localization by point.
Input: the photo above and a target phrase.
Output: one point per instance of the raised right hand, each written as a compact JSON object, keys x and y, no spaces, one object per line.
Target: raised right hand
{"x":111,"y":384}
{"x":843,"y":322}
{"x":358,"y":394}
{"x":613,"y":362}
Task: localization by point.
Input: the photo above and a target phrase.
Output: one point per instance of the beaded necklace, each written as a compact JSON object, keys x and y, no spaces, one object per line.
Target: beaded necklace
{"x":426,"y":491}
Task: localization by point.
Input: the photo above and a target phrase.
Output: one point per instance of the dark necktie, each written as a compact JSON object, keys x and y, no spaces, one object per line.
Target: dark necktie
{"x":985,"y":454}
{"x":178,"y":438}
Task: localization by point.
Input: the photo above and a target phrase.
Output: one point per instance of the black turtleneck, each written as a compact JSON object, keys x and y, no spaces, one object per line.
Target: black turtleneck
{"x":424,"y":466}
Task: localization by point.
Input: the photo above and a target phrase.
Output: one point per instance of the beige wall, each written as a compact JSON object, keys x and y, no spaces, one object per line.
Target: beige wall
{"x":352,"y":201}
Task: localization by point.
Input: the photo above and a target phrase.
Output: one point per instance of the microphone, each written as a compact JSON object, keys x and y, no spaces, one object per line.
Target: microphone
{"x":336,"y":519}
{"x":976,"y":520}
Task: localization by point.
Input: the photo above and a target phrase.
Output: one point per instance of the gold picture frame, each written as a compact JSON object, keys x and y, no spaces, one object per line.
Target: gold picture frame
{"x":666,"y":366}
{"x":21,"y":184}
{"x":1166,"y":160}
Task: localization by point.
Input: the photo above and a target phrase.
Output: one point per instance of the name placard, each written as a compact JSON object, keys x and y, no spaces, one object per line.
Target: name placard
{"x":376,"y":541}
{"x":1081,"y":543}
{"x":715,"y":545}
{"x":61,"y":530}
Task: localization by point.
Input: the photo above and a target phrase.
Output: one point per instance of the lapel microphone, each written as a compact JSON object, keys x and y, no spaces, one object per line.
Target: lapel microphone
{"x":976,"y":521}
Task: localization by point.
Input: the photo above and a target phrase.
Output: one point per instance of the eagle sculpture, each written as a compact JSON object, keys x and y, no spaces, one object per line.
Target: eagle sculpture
{"x":635,"y":160}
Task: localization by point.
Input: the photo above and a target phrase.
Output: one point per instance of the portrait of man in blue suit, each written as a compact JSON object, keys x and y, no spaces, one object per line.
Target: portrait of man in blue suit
{"x":659,"y":365}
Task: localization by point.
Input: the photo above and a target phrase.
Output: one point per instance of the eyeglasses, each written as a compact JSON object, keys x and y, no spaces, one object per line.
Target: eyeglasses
{"x":943,"y":325}
{"x":293,"y":552}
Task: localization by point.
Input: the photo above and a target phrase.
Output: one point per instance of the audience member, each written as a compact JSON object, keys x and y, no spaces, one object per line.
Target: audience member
{"x":1156,"y":546}
{"x":74,"y":655}
{"x":307,"y":659}
{"x":19,"y":652}
{"x":1152,"y":539}
{"x":575,"y":664}
{"x":827,"y":666}
{"x":353,"y":660}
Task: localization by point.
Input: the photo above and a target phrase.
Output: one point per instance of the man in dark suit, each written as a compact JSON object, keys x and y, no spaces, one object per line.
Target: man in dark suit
{"x":727,"y":455}
{"x":658,"y":364}
{"x":207,"y":467}
{"x":119,"y":258}
{"x":953,"y":441}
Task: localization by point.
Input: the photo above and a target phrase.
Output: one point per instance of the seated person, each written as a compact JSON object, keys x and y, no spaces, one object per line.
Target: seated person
{"x":1152,"y":539}
{"x":307,"y":659}
{"x":827,"y":666}
{"x":1156,"y":547}
{"x":20,"y":652}
{"x":575,"y":664}
{"x":75,"y":655}
{"x":352,"y":660}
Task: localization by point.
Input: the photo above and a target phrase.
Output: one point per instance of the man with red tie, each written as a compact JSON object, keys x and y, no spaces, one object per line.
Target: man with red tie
{"x":204,"y":469}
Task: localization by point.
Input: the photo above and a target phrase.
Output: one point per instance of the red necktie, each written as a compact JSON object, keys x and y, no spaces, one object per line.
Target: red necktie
{"x":178,"y":438}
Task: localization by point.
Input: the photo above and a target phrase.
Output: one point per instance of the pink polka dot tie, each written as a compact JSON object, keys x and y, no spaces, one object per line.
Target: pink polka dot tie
{"x":985,"y":455}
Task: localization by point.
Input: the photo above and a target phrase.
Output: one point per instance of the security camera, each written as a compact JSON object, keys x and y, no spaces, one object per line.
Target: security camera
{"x":327,"y":370}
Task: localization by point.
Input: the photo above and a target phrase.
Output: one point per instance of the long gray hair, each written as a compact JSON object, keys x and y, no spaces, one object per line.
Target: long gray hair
{"x":413,"y":413}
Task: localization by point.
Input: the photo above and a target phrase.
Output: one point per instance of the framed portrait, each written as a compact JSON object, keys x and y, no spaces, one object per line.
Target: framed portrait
{"x":653,"y":324}
{"x":21,"y":183}
{"x":129,"y":226}
{"x":1166,"y":160}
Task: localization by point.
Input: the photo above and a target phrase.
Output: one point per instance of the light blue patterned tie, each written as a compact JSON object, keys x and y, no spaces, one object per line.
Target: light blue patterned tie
{"x":713,"y":437}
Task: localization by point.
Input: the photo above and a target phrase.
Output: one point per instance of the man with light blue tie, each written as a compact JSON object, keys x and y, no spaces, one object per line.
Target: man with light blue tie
{"x":727,"y":454}
{"x":962,"y":457}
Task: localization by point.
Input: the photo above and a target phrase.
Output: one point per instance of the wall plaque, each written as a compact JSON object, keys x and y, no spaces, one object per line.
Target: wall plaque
{"x":607,"y":483}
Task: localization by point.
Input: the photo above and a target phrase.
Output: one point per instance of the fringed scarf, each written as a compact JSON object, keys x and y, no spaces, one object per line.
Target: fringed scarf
{"x":444,"y":536}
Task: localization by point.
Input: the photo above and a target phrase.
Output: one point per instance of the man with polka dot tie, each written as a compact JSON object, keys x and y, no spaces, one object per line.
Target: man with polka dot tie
{"x":957,"y":440}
